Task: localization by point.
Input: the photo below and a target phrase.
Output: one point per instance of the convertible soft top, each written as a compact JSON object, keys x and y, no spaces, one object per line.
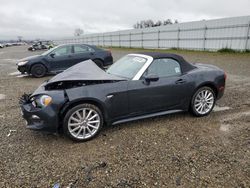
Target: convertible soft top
{"x":185,"y":66}
{"x":86,"y":70}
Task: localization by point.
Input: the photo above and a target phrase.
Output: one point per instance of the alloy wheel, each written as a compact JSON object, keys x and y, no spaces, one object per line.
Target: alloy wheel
{"x":84,"y":123}
{"x":204,"y":102}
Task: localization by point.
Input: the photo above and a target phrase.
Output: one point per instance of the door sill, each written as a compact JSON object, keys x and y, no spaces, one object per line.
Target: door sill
{"x":146,"y":116}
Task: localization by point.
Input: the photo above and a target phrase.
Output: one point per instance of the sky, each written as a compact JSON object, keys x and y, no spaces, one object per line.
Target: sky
{"x":50,"y":19}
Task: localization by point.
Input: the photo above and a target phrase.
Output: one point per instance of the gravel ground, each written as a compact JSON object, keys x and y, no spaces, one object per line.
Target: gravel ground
{"x":170,"y":151}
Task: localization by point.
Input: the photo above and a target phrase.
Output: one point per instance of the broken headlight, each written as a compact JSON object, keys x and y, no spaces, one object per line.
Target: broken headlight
{"x":41,"y":101}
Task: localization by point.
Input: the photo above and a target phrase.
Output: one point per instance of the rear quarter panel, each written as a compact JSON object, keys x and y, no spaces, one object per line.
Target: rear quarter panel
{"x":105,"y":56}
{"x":208,"y":75}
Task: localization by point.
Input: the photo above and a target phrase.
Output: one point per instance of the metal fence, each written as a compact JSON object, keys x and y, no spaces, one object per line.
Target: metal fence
{"x":212,"y":35}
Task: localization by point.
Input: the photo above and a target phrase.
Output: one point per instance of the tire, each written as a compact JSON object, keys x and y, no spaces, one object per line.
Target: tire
{"x":203,"y":101}
{"x":99,"y":63}
{"x":38,"y":70}
{"x":77,"y":128}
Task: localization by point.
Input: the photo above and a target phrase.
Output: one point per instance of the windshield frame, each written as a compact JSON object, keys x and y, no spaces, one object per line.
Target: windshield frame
{"x":138,"y":75}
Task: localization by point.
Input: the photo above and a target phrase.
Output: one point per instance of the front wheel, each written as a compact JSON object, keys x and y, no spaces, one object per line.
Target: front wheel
{"x":38,"y":70}
{"x":202,"y":101}
{"x":83,"y":122}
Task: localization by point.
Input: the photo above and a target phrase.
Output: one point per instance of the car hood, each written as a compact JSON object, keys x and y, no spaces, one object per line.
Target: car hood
{"x":84,"y":71}
{"x":30,"y":58}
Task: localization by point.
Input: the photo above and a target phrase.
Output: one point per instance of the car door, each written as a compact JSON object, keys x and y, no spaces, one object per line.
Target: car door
{"x":61,"y":58}
{"x":164,"y":94}
{"x":81,"y":53}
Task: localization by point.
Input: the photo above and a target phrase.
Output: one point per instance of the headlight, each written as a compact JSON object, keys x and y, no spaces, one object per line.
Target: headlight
{"x":42,"y":101}
{"x":22,"y":63}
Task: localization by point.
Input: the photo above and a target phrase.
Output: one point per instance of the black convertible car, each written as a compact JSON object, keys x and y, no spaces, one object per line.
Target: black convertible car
{"x":62,"y":57}
{"x":84,"y":98}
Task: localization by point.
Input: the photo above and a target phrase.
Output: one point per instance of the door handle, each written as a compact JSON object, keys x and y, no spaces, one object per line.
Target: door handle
{"x":180,"y":81}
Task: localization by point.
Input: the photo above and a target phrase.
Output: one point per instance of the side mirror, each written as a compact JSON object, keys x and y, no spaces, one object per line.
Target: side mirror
{"x":151,"y":78}
{"x":52,"y":55}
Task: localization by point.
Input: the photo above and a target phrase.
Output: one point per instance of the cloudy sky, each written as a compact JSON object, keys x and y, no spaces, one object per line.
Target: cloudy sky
{"x":58,"y":18}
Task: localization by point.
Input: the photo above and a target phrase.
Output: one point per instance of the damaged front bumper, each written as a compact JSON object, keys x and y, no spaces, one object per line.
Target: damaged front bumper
{"x":42,"y":119}
{"x":22,"y":69}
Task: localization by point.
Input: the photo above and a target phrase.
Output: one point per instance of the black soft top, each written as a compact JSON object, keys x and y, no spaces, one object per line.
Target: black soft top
{"x":185,"y":66}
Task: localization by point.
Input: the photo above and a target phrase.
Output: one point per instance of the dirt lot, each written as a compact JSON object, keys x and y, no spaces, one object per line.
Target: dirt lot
{"x":170,"y":151}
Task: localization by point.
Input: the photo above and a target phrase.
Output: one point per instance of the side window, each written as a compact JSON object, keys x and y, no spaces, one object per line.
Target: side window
{"x":164,"y":67}
{"x":65,"y":50}
{"x":82,"y":49}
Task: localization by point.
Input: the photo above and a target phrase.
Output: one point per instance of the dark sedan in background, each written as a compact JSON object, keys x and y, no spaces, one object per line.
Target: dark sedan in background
{"x":62,"y":57}
{"x":84,"y":98}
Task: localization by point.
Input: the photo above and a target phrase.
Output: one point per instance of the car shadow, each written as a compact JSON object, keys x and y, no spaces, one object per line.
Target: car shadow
{"x":27,"y":76}
{"x":110,"y":129}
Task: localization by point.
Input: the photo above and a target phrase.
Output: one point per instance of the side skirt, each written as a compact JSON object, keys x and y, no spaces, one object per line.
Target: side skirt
{"x":146,"y":116}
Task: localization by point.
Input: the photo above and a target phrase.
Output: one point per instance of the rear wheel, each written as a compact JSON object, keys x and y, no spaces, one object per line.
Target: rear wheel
{"x":38,"y":70}
{"x":99,"y":63}
{"x":203,"y":101}
{"x":83,"y":122}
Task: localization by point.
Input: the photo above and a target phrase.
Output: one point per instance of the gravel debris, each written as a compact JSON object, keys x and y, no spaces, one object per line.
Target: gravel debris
{"x":220,"y":108}
{"x":10,"y":132}
{"x":2,"y":96}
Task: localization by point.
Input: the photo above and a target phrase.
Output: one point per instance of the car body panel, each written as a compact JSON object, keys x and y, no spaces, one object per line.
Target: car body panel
{"x":47,"y":119}
{"x":164,"y":94}
{"x":112,"y":97}
{"x":209,"y":75}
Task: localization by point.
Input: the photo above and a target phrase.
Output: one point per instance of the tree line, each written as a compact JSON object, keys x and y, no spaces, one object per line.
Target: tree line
{"x":151,"y":23}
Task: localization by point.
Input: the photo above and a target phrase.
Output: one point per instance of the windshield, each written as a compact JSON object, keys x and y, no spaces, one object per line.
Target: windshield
{"x":127,"y":66}
{"x":49,"y":51}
